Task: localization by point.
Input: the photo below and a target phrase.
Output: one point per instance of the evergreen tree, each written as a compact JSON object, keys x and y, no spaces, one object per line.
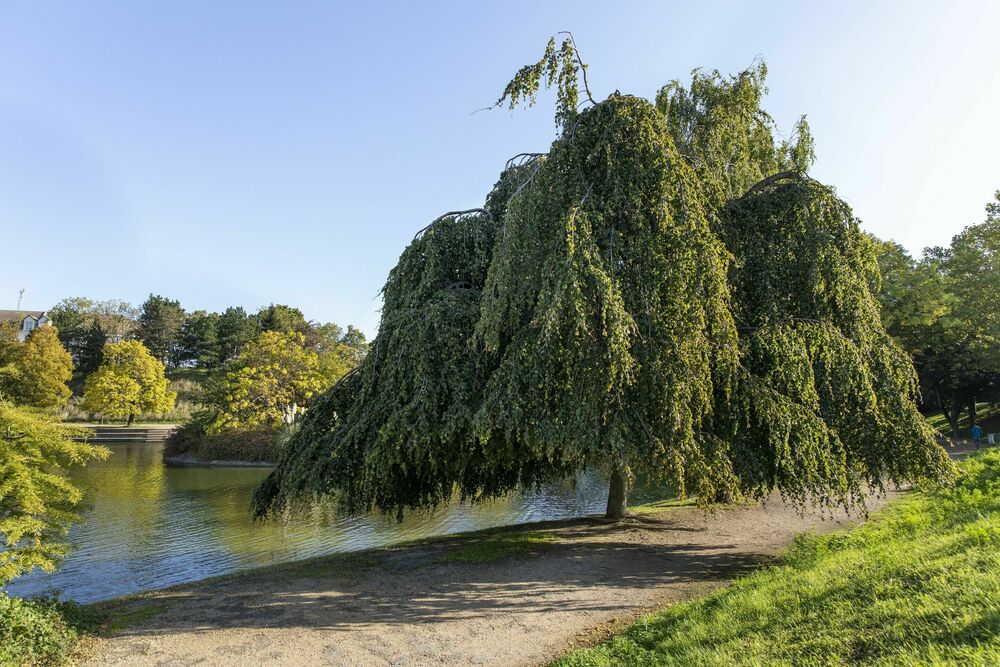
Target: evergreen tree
{"x":283,"y":319}
{"x":91,"y":352}
{"x":160,"y":324}
{"x":235,"y":330}
{"x":200,"y":339}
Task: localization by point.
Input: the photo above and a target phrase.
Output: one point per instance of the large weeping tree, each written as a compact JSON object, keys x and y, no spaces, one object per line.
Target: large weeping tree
{"x":662,"y":292}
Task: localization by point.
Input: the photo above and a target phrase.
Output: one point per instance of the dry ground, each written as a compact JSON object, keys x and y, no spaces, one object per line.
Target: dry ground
{"x":415,"y":606}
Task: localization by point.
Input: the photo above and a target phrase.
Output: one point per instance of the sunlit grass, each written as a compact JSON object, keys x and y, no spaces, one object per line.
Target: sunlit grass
{"x":919,"y":584}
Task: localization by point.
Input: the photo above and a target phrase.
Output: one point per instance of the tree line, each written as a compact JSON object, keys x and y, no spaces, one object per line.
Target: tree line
{"x":177,"y":338}
{"x":943,"y":309}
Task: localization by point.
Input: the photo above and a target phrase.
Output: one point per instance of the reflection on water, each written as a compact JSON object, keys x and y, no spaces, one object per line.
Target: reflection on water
{"x":151,"y":526}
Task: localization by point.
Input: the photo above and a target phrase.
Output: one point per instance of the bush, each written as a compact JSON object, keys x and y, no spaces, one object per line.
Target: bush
{"x":38,"y":632}
{"x":252,"y":446}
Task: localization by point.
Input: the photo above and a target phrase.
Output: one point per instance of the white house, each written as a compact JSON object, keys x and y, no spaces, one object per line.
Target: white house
{"x":27,"y":320}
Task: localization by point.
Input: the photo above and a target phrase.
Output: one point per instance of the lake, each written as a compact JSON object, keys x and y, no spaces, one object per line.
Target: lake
{"x":150,"y":525}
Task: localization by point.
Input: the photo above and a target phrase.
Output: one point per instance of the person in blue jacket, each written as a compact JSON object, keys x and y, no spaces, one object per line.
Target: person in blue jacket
{"x":977,"y":434}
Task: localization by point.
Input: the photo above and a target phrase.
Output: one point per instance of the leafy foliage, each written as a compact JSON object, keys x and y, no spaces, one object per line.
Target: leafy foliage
{"x":400,"y":426}
{"x":199,"y":340}
{"x":160,"y":324}
{"x":37,"y":501}
{"x":719,"y":126}
{"x":128,"y":382}
{"x":268,"y":384}
{"x":828,"y":398}
{"x":39,"y":631}
{"x":559,"y":67}
{"x":942,"y":310}
{"x":654,"y":294}
{"x":236,"y":329}
{"x":37,"y":370}
{"x":607,"y":305}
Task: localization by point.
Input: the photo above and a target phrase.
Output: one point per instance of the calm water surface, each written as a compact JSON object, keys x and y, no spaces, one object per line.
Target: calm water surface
{"x":151,"y":525}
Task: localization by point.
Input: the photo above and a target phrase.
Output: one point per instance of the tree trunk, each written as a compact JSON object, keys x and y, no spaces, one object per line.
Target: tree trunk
{"x":972,"y":412}
{"x":956,"y":412}
{"x":131,"y":418}
{"x":617,"y":494}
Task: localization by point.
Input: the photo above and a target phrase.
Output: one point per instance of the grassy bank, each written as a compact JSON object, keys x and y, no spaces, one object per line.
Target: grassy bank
{"x":917,"y":584}
{"x":987,"y":415}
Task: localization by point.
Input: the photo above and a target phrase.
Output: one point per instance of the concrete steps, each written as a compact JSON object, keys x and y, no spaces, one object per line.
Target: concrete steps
{"x":129,"y":433}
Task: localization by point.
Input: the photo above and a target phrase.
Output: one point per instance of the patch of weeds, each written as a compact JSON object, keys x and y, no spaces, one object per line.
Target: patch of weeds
{"x":124,"y":619}
{"x":658,"y":506}
{"x":340,"y":565}
{"x":491,"y":548}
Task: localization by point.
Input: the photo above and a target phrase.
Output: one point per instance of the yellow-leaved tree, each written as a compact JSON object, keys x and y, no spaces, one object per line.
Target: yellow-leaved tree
{"x":37,"y":501}
{"x":128,"y":382}
{"x":268,"y":384}
{"x":37,"y":370}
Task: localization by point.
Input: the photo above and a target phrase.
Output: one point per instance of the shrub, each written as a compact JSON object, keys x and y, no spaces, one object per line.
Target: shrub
{"x":38,"y":632}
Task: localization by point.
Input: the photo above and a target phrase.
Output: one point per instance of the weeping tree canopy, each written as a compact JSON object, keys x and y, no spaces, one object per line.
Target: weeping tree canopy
{"x":663,"y":292}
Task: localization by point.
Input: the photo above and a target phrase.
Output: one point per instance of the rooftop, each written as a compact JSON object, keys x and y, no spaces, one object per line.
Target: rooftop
{"x":18,"y":315}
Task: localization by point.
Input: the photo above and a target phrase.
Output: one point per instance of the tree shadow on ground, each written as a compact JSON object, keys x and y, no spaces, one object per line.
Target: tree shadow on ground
{"x":414,"y":584}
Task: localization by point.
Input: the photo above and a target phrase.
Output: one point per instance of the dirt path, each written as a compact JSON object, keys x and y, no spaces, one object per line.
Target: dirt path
{"x":412,"y":606}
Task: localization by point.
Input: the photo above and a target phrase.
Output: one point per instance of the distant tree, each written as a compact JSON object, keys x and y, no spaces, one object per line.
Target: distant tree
{"x":913,"y":297}
{"x":268,"y":384}
{"x":91,"y":352}
{"x":41,"y":368}
{"x":354,"y":340}
{"x":118,"y":319}
{"x":80,"y":320}
{"x":73,"y":317}
{"x":235,"y":330}
{"x":338,"y":351}
{"x":199,"y":342}
{"x":10,"y":345}
{"x":128,"y":382}
{"x":37,"y":502}
{"x":284,"y":319}
{"x":160,"y":324}
{"x":962,"y":366}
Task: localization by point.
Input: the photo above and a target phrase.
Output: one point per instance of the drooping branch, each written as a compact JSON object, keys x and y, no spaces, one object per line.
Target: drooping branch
{"x":583,"y":65}
{"x":452,"y":214}
{"x":522,"y":159}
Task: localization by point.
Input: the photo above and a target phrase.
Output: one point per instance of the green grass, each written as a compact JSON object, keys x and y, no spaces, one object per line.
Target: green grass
{"x":918,"y":584}
{"x":658,"y":506}
{"x":193,"y":374}
{"x":494,"y":547}
{"x":117,"y":621}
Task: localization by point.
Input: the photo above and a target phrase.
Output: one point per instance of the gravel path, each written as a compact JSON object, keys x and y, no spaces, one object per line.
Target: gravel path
{"x":411,"y":606}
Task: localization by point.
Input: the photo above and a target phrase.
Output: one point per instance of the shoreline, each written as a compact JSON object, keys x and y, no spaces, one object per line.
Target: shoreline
{"x":188,"y":461}
{"x":521,"y":594}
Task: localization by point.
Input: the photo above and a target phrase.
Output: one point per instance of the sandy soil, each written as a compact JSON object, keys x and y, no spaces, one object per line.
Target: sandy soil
{"x":409,"y":606}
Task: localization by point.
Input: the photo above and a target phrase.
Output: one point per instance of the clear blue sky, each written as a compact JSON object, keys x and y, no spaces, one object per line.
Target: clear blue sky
{"x":246,"y":153}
